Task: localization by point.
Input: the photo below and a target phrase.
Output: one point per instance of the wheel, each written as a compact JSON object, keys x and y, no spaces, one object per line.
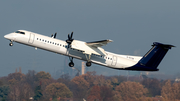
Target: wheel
{"x":88,"y":64}
{"x":11,"y":44}
{"x":71,"y":64}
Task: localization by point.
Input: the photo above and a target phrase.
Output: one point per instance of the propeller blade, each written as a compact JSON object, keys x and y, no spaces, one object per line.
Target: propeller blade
{"x":71,"y":35}
{"x":55,"y":35}
{"x":52,"y":35}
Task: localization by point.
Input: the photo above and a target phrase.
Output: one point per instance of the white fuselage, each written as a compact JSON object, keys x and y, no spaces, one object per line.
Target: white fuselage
{"x":58,"y":46}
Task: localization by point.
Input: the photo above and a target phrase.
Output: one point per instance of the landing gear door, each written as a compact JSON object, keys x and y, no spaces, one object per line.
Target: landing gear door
{"x":31,"y":38}
{"x":114,"y":61}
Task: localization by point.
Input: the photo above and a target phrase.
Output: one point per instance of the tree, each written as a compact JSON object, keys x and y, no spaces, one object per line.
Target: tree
{"x":167,"y":92}
{"x":14,"y":94}
{"x":4,"y":81}
{"x":14,"y":78}
{"x":101,"y":81}
{"x":81,"y":87}
{"x":4,"y":90}
{"x":114,"y":82}
{"x":117,"y":96}
{"x":176,"y":90}
{"x":90,"y":77}
{"x":95,"y":94}
{"x":80,"y":82}
{"x":65,"y":76}
{"x":56,"y":90}
{"x":171,"y":91}
{"x":46,"y":82}
{"x":1,"y":83}
{"x":130,"y":91}
{"x":65,"y":79}
{"x":120,"y":78}
{"x":38,"y":93}
{"x":100,"y":93}
{"x":25,"y":91}
{"x":153,"y":86}
{"x":106,"y":93}
{"x":30,"y":77}
{"x":20,"y":92}
{"x":42,"y":75}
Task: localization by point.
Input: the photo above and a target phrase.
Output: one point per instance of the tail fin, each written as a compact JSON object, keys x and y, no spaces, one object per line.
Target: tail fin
{"x":154,"y":56}
{"x":151,"y":60}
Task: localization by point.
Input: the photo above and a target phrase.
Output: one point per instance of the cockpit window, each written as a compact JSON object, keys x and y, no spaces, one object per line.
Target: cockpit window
{"x":20,"y":32}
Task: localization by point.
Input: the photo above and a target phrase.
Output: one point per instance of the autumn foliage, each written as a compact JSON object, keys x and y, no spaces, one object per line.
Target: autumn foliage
{"x":130,"y":91}
{"x":171,"y":91}
{"x":41,"y":86}
{"x":56,"y":90}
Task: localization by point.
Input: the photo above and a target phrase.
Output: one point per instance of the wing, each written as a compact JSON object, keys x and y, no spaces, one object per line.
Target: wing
{"x":90,"y":47}
{"x":98,"y":43}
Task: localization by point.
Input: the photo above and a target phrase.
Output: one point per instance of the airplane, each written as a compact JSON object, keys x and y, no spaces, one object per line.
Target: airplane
{"x":92,"y":52}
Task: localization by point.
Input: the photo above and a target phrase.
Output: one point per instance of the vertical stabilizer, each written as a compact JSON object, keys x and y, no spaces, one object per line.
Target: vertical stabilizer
{"x":154,"y":56}
{"x":151,"y":60}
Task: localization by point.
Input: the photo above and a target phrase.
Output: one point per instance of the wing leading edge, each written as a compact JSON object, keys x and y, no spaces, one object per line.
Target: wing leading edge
{"x":98,"y":43}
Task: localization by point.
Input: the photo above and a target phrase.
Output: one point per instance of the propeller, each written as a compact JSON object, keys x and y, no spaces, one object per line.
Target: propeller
{"x":54,"y":36}
{"x":70,"y":39}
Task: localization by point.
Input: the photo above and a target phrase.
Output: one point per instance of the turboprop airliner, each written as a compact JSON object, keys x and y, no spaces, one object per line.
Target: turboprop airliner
{"x":91,"y":52}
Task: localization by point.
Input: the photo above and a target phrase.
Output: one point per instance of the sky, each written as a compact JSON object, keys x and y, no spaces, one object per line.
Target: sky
{"x":133,"y":25}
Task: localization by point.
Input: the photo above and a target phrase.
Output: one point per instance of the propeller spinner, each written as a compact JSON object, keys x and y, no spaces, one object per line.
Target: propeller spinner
{"x":70,"y":39}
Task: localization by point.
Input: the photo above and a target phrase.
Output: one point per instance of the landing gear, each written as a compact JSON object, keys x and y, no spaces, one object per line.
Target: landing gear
{"x":88,"y":57}
{"x":71,"y":64}
{"x":88,"y":63}
{"x":11,"y":43}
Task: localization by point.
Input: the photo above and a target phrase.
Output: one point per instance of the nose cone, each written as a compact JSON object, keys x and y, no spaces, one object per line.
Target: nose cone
{"x":8,"y":36}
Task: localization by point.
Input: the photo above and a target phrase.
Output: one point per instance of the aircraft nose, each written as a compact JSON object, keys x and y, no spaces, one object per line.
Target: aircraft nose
{"x":8,"y":36}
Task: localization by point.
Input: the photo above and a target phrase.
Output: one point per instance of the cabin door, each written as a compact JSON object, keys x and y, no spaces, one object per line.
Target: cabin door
{"x":31,"y":38}
{"x":114,"y":61}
